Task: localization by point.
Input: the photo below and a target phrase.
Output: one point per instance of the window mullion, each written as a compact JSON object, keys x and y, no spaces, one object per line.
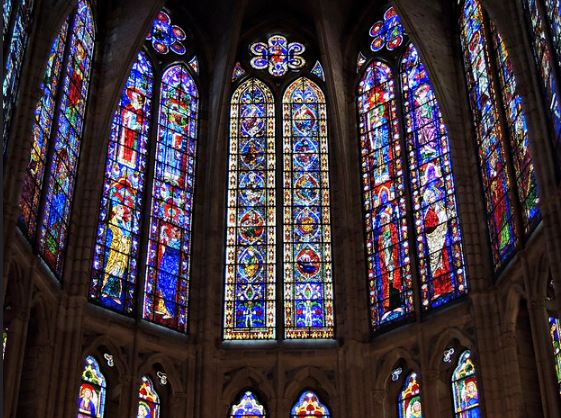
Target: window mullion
{"x":280,"y":190}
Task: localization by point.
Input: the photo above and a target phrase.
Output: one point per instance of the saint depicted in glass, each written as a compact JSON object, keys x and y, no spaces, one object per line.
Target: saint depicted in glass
{"x":92,"y":392}
{"x":464,"y":388}
{"x":168,"y":271}
{"x":248,"y":406}
{"x":308,"y":281}
{"x":555,"y":333}
{"x":249,"y":311}
{"x":309,"y":405}
{"x":114,"y":270}
{"x":409,"y":402}
{"x":148,"y":400}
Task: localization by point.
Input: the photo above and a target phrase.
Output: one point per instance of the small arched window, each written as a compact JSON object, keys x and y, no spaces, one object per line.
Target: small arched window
{"x":555,"y":333}
{"x":406,"y":168}
{"x":92,"y":392}
{"x":464,"y":388}
{"x":309,"y":404}
{"x":50,"y":177}
{"x":17,"y":17}
{"x":163,"y":95}
{"x":409,"y":401}
{"x":148,"y":400}
{"x":507,"y":171}
{"x":248,"y":406}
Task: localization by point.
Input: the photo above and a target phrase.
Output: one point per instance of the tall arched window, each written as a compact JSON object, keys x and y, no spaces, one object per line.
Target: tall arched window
{"x":148,"y":400}
{"x":308,"y":404}
{"x":409,"y":401}
{"x":167,"y":156}
{"x":464,"y":388}
{"x":555,"y":333}
{"x":544,"y":20}
{"x":248,"y":406}
{"x":92,"y":393}
{"x":50,"y":177}
{"x":504,"y":156}
{"x":395,"y":182}
{"x":259,"y":193}
{"x":17,"y":16}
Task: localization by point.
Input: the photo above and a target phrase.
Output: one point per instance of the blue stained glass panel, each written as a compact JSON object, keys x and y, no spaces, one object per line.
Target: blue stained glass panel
{"x":248,"y":406}
{"x":465,"y":389}
{"x":168,"y":266}
{"x":63,"y":165}
{"x":166,"y":37}
{"x":113,"y":281}
{"x":278,"y":55}
{"x":388,"y":32}
{"x":409,"y":401}
{"x":439,"y":241}
{"x":92,"y":392}
{"x":308,"y":404}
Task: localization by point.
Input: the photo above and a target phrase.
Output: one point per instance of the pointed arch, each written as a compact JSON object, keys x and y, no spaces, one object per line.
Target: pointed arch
{"x":51,"y":173}
{"x":464,"y":388}
{"x":113,"y":281}
{"x":248,"y":405}
{"x":409,"y":401}
{"x":250,"y":277}
{"x":92,"y":392}
{"x":148,"y":399}
{"x":308,"y":280}
{"x":308,"y":403}
{"x":389,"y":270}
{"x":166,"y":288}
{"x":439,"y":240}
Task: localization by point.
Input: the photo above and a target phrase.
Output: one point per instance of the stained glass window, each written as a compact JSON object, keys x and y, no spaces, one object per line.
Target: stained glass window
{"x":248,"y":406}
{"x":518,"y":133}
{"x":148,"y":400}
{"x":389,"y":270}
{"x":91,"y":396}
{"x":409,"y":401}
{"x":17,"y":26}
{"x":167,"y":276}
{"x":464,"y":388}
{"x":115,"y":259}
{"x":44,"y":116}
{"x":308,"y":282}
{"x":386,"y":169}
{"x":194,"y":63}
{"x":387,"y":32}
{"x":360,"y":61}
{"x":545,"y":48}
{"x":49,"y":184}
{"x":166,"y":37}
{"x":489,"y":132}
{"x":309,"y":404}
{"x":317,"y":70}
{"x":555,"y":333}
{"x":277,"y":55}
{"x":238,"y":72}
{"x":439,"y":241}
{"x":249,"y":311}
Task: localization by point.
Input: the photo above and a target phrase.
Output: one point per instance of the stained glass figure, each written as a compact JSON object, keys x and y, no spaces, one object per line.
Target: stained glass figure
{"x":388,"y":32}
{"x":166,"y":37}
{"x":41,"y":132}
{"x":489,"y":132}
{"x":17,"y":20}
{"x":248,"y":406}
{"x":546,"y":62}
{"x":249,"y":310}
{"x":555,"y":333}
{"x":439,"y":240}
{"x":309,"y":405}
{"x":278,"y":55}
{"x":516,"y":120}
{"x":317,"y":70}
{"x":389,"y":270}
{"x":91,"y":396}
{"x":308,"y":281}
{"x":238,"y":72}
{"x":409,"y":401}
{"x":60,"y":177}
{"x":169,"y":249}
{"x":360,"y":61}
{"x":464,"y":388}
{"x":113,"y":282}
{"x":194,"y":63}
{"x":148,"y":400}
